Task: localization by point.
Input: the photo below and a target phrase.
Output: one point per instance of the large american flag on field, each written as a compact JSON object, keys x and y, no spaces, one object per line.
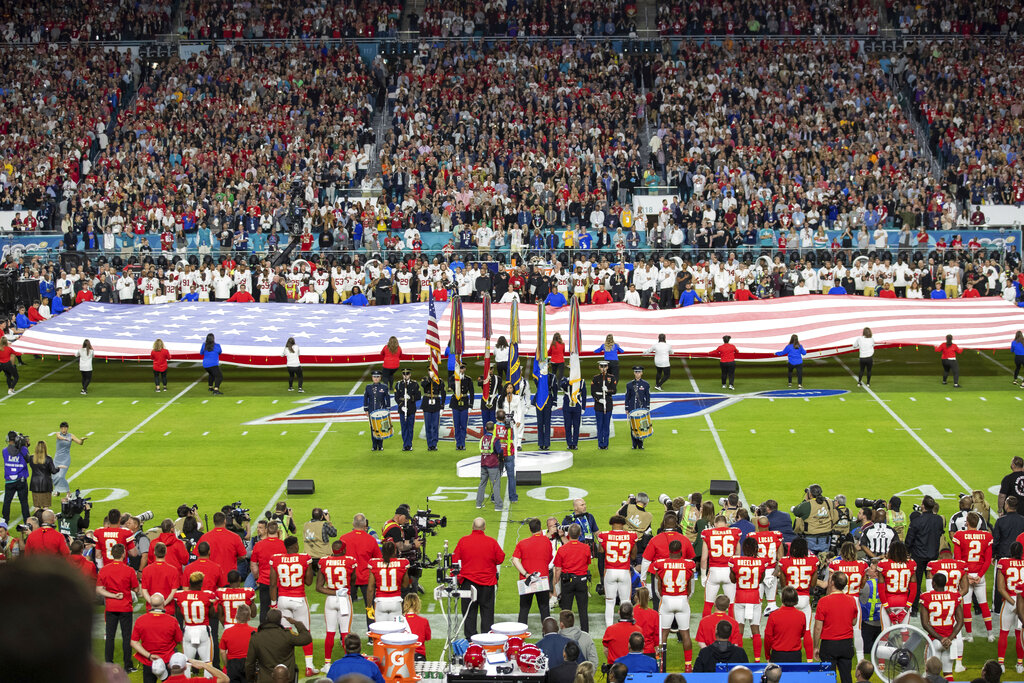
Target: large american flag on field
{"x":255,"y":334}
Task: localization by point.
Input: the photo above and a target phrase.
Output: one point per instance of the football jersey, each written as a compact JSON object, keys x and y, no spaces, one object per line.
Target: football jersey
{"x":941,"y":607}
{"x":108,"y":537}
{"x":387,"y":576}
{"x":232,"y":599}
{"x":658,"y":546}
{"x":768,"y":544}
{"x":338,"y":571}
{"x":954,"y":570}
{"x":674,"y":574}
{"x":975,"y":548}
{"x":617,"y":544}
{"x":1013,"y":573}
{"x":895,"y":579}
{"x":720,"y":544}
{"x":854,"y":570}
{"x":750,"y":572}
{"x":799,"y":573}
{"x":197,"y":606}
{"x":291,"y":574}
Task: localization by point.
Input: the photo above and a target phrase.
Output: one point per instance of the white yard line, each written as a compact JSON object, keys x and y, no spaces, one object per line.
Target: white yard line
{"x":309,"y":451}
{"x":134,"y":429}
{"x":993,"y":359}
{"x":51,"y":372}
{"x":908,"y":430}
{"x":718,"y":440}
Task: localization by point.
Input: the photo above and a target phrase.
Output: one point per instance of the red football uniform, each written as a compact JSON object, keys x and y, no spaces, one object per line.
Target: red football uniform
{"x":750,"y":572}
{"x":674,"y":575}
{"x":388,"y":576}
{"x":338,"y":571}
{"x":618,"y":546}
{"x":894,"y":584}
{"x":1013,"y":573}
{"x":768,"y":544}
{"x":798,"y":572}
{"x":233,"y":598}
{"x":854,"y":571}
{"x":107,"y":538}
{"x":291,"y":574}
{"x":162,"y":578}
{"x":720,"y":544}
{"x":197,"y":606}
{"x":941,"y":607}
{"x":975,"y":548}
{"x":954,"y":570}
{"x":658,"y":546}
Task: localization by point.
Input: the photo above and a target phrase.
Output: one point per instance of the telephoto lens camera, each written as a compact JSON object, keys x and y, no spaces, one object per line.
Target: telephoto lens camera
{"x":873,"y":503}
{"x":145,"y":516}
{"x":74,"y":504}
{"x":428,"y":523}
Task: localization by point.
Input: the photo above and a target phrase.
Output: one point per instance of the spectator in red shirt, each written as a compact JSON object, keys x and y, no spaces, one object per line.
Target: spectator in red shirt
{"x":116,"y":581}
{"x":616,"y":636}
{"x":234,"y":644}
{"x":241,"y":296}
{"x":600,"y":296}
{"x":364,"y":548}
{"x":887,"y":292}
{"x":33,"y":313}
{"x":160,"y":356}
{"x":834,"y":621}
{"x":948,"y":352}
{"x":969,"y":293}
{"x":647,"y":619}
{"x":46,"y":539}
{"x":784,"y":632}
{"x":259,"y":564}
{"x":177,"y":554}
{"x":83,"y":563}
{"x":418,"y":626}
{"x":726,"y":354}
{"x":154,"y":638}
{"x":226,"y":547}
{"x":480,"y":556}
{"x":84,"y":294}
{"x":532,"y":557}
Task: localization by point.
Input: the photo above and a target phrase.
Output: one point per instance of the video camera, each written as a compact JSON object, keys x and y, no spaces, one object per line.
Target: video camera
{"x":448,"y":574}
{"x":20,"y":440}
{"x":239,"y":514}
{"x":873,"y":503}
{"x":74,"y":504}
{"x":426,"y":522}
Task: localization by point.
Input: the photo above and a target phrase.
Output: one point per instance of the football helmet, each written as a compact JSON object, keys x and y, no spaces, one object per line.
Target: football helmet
{"x":512,"y":647}
{"x":474,"y":657}
{"x":531,"y":660}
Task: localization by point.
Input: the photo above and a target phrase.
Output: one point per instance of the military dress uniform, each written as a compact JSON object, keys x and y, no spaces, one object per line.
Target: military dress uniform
{"x":602,"y":390}
{"x":544,"y":412}
{"x":572,"y":415}
{"x":460,"y":406}
{"x":487,"y":408}
{"x":407,"y":394}
{"x":638,"y":397}
{"x":376,"y":397}
{"x":431,"y":403}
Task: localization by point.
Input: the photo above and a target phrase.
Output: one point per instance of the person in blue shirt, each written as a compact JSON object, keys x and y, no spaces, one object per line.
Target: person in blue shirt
{"x":611,"y":351}
{"x":357,"y":298}
{"x":688,"y":297}
{"x":584,"y":240}
{"x":46,"y":289}
{"x":556,"y":300}
{"x":210,"y":351}
{"x":354,"y":662}
{"x":636,"y":662}
{"x":744,"y":524}
{"x":794,"y":353}
{"x":938,"y":293}
{"x":1017,"y":349}
{"x":15,"y":475}
{"x":21,"y":320}
{"x":192,"y":294}
{"x":450,"y":357}
{"x":57,"y":303}
{"x":838,"y":290}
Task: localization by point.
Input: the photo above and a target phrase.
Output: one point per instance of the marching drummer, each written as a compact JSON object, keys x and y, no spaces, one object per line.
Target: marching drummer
{"x":376,"y":397}
{"x":638,"y":397}
{"x":602,"y":389}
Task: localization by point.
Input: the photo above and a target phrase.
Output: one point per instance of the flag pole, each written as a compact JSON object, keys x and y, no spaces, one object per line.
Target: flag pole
{"x":486,"y":312}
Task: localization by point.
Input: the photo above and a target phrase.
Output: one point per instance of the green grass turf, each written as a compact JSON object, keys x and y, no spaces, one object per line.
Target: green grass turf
{"x":197,"y":449}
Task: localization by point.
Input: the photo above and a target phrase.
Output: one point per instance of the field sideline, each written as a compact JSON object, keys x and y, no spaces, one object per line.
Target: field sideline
{"x":908,"y":434}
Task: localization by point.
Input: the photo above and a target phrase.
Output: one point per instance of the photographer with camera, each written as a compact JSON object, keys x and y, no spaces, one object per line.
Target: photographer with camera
{"x":284,"y":517}
{"x":818,"y":516}
{"x":317,"y":534}
{"x":10,"y":547}
{"x":73,"y":518}
{"x":226,"y":547}
{"x":16,"y":473}
{"x":638,"y":518}
{"x":185,"y":512}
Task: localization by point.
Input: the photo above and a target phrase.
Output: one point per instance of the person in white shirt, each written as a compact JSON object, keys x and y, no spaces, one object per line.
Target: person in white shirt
{"x":222,"y":283}
{"x":865,"y":345}
{"x":85,"y":354}
{"x":914,"y":291}
{"x":666,"y":283}
{"x":662,"y":361}
{"x":320,"y":282}
{"x":881,"y":238}
{"x":204,"y":282}
{"x":44,"y":309}
{"x":952,"y":279}
{"x":126,"y":288}
{"x":632,"y":296}
{"x":293,"y":363}
{"x":801,"y":288}
{"x":508,"y":297}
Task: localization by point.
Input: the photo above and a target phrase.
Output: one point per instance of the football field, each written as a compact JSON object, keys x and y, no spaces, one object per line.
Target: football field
{"x":907,"y":435}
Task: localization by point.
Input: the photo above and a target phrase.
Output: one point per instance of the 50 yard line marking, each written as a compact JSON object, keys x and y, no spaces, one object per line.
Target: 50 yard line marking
{"x":312,"y":447}
{"x":714,"y":434}
{"x":908,"y":430}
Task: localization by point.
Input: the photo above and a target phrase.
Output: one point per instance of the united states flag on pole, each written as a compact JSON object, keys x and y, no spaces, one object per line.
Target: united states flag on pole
{"x":433,"y":338}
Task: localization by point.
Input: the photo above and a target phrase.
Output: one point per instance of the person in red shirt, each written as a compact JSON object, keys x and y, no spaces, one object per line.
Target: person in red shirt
{"x":974,"y":547}
{"x":290,"y":573}
{"x":391,"y":356}
{"x":674,"y":577}
{"x":418,"y":626}
{"x":233,"y":596}
{"x":234,"y":644}
{"x":970,"y":292}
{"x":618,"y":545}
{"x":259,"y":564}
{"x":83,"y":295}
{"x":83,"y":563}
{"x":706,"y":627}
{"x":895,"y":585}
{"x":177,"y":554}
{"x":616,"y":636}
{"x":657,"y":547}
{"x":770,"y":545}
{"x":855,"y":571}
{"x":572,"y":569}
{"x":942,"y":618}
{"x":213,"y":578}
{"x":111,"y":534}
{"x":948,"y":352}
{"x":241,"y":296}
{"x":46,"y":540}
{"x":197,"y":606}
{"x":600,"y":296}
{"x":834,"y":621}
{"x":747,"y":572}
{"x":116,"y":582}
{"x":647,"y":619}
{"x":162,"y":578}
{"x":726,"y":354}
{"x":532,"y":557}
{"x":388,"y":576}
{"x":1009,"y":583}
{"x":363,"y":547}
{"x":479,"y":555}
{"x":226,"y":547}
{"x":335,"y":579}
{"x":721,"y":543}
{"x":785,"y":631}
{"x":160,"y":356}
{"x":798,"y":570}
{"x":154,"y":637}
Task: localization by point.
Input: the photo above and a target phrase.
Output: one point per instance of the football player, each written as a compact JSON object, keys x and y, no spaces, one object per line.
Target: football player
{"x":747,"y":572}
{"x":290,"y":573}
{"x":1009,"y":583}
{"x":798,"y":570}
{"x":942,"y":618}
{"x":388,"y":576}
{"x":233,"y":596}
{"x":721,"y":543}
{"x":674,"y":582}
{"x":618,"y":545}
{"x":197,"y":604}
{"x":335,"y":580}
{"x":770,"y":545}
{"x":974,"y":546}
{"x":895,"y":585}
{"x":956,"y":581}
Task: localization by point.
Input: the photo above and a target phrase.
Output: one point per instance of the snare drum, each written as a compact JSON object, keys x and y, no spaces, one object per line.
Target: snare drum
{"x":490,"y":642}
{"x":380,"y":424}
{"x":640,"y":424}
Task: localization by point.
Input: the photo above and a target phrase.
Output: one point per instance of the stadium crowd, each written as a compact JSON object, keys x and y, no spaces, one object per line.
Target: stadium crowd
{"x":80,"y":21}
{"x":714,"y":17}
{"x":306,"y":20}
